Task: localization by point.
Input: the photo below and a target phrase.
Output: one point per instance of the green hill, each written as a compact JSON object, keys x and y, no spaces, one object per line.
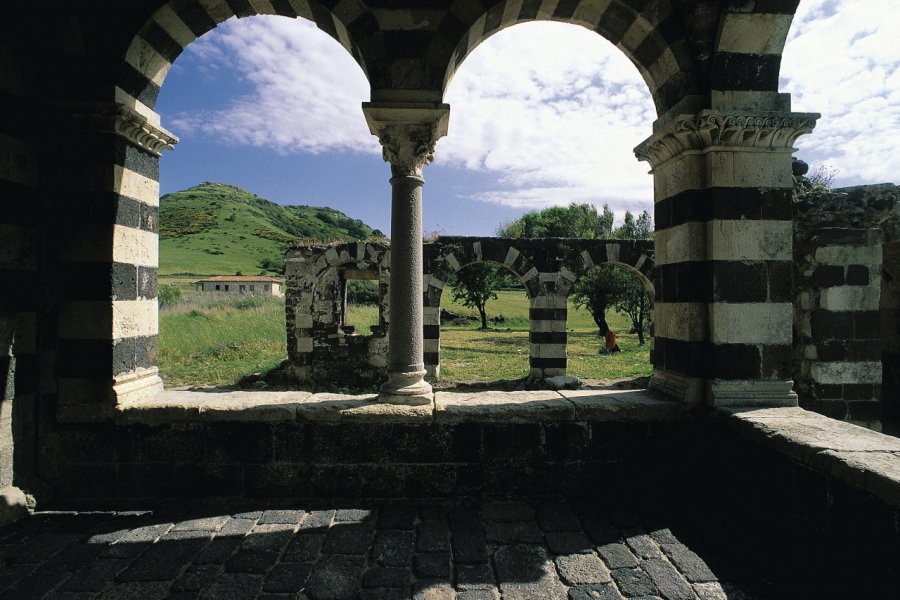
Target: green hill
{"x":220,"y":229}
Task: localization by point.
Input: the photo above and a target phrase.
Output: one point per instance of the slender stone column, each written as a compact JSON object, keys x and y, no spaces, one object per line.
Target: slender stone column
{"x":408,"y":134}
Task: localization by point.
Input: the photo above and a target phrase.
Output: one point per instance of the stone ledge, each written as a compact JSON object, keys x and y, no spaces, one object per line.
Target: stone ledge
{"x":542,"y":406}
{"x":854,"y":455}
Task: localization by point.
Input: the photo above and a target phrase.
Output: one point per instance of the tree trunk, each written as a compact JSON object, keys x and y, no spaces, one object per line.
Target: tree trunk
{"x":600,"y":320}
{"x":483,"y":314}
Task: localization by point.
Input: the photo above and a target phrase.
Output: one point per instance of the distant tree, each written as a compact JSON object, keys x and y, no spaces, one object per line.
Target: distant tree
{"x":573,"y":221}
{"x":598,"y":290}
{"x":474,"y":285}
{"x":636,"y":302}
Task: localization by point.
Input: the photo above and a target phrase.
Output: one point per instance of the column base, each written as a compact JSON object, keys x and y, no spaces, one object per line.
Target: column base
{"x":13,"y":505}
{"x":137,"y":386}
{"x":751,"y":392}
{"x":406,"y":388}
{"x":680,"y":387}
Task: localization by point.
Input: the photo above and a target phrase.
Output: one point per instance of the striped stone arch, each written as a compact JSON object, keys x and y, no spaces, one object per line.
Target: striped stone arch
{"x":311,"y":293}
{"x":548,"y":268}
{"x":179,"y":22}
{"x":651,"y":36}
{"x":746,"y":61}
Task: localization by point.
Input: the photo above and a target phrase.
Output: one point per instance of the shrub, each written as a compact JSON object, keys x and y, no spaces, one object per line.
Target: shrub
{"x":169,"y":295}
{"x":362,"y":292}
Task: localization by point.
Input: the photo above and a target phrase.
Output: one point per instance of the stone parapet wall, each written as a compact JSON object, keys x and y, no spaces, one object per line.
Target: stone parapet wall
{"x":844,"y":322}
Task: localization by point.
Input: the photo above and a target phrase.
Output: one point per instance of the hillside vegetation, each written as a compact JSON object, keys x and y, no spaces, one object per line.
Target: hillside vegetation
{"x":220,"y":229}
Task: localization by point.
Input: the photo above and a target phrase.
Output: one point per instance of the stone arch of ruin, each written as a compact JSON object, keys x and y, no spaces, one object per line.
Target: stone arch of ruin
{"x":548,"y":268}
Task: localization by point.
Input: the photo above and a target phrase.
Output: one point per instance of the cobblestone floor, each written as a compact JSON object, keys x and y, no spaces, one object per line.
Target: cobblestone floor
{"x":515,"y":550}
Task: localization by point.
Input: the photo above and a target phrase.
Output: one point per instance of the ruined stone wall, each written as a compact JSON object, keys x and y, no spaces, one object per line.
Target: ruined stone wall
{"x":846,"y":306}
{"x":320,"y":347}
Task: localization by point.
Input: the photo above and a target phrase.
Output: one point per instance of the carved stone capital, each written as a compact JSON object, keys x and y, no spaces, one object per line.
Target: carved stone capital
{"x":710,"y":129}
{"x":408,"y":133}
{"x":115,"y":117}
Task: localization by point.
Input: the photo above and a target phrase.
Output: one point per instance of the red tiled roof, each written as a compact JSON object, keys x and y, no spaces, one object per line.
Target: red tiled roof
{"x":263,"y":278}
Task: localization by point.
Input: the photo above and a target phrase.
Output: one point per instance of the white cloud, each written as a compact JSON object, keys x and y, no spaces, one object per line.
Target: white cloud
{"x":842,"y":59}
{"x":555,"y":111}
{"x":306,"y":89}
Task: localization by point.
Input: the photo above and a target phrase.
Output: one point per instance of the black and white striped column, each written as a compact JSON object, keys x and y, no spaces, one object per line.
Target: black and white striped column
{"x":107,"y":213}
{"x":723,"y":253}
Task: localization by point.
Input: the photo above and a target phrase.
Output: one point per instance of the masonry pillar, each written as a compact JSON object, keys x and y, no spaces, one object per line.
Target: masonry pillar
{"x":408,"y":133}
{"x":724,"y":240}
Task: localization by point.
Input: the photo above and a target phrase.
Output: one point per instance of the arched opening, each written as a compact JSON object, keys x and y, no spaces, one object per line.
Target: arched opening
{"x":484,"y":325}
{"x":610,"y":324}
{"x":223,"y":238}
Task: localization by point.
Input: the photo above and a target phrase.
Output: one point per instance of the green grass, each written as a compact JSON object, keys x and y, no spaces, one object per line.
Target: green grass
{"x":212,"y":339}
{"x":501,"y":353}
{"x":216,"y":339}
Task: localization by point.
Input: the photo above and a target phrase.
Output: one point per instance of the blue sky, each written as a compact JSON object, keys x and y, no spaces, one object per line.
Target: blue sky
{"x":541,"y":114}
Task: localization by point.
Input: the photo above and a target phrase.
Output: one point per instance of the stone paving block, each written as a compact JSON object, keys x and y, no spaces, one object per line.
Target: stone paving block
{"x":354,"y":515}
{"x":634,"y":582}
{"x":10,"y":574}
{"x":690,"y":565}
{"x":304,"y":547}
{"x":642,"y":544}
{"x":162,"y":561}
{"x":465,"y":519}
{"x":95,"y":576}
{"x":387,"y":577}
{"x":432,"y":536}
{"x":317,"y":521}
{"x":617,"y":556}
{"x":394,"y":548}
{"x":469,"y":547}
{"x":39,"y":548}
{"x":600,"y":591}
{"x":136,"y":541}
{"x":288,"y":577}
{"x":348,"y":538}
{"x":260,"y":550}
{"x":664,"y":536}
{"x":218,"y":551}
{"x":568,"y":542}
{"x":580,"y":569}
{"x":526,"y":571}
{"x":79,"y":596}
{"x":384,"y":593}
{"x":250,"y":514}
{"x":234,"y":586}
{"x":473,"y":577}
{"x":284,"y":517}
{"x":668,"y":580}
{"x":507,"y":511}
{"x":196,"y":578}
{"x":74,"y":556}
{"x":336,"y":578}
{"x":600,"y":529}
{"x":558,"y":517}
{"x":235,"y":527}
{"x":513,"y":532}
{"x":433,"y":590}
{"x":712,"y":590}
{"x":139,"y":590}
{"x":35,"y":585}
{"x":432,"y":565}
{"x":397,"y":517}
{"x":201,"y":524}
{"x":486,"y":594}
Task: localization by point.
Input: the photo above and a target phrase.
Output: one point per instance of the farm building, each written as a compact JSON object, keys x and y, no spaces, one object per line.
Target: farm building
{"x":259,"y":285}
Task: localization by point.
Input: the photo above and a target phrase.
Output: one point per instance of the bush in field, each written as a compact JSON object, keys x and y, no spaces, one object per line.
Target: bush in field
{"x":361,"y":291}
{"x":169,"y":295}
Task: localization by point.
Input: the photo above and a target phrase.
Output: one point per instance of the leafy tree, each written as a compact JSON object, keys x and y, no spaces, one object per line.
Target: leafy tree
{"x":475,"y":284}
{"x":573,"y":221}
{"x":599,"y":289}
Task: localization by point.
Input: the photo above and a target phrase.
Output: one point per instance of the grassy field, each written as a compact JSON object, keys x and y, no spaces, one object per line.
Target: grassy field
{"x":209,"y":340}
